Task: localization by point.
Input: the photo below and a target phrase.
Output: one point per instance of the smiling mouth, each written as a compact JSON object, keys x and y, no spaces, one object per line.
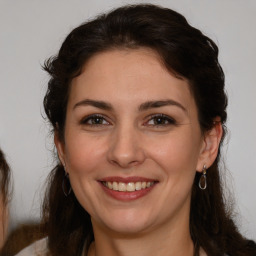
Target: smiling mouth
{"x":128,"y":187}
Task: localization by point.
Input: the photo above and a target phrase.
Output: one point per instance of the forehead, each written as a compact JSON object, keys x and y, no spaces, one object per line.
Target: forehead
{"x":134,"y":74}
{"x":131,"y":61}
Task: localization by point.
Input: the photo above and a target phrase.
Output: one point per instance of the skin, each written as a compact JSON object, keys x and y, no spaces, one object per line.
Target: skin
{"x":127,"y":139}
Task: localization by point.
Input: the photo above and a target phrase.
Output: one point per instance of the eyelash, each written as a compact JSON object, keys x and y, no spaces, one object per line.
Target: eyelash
{"x":161,"y":117}
{"x":91,"y":118}
{"x":167,"y":120}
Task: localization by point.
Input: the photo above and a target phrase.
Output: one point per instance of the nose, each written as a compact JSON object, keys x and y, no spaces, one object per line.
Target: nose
{"x":126,"y":148}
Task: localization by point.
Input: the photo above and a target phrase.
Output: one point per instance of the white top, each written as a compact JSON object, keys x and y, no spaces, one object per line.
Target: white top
{"x":38,"y":248}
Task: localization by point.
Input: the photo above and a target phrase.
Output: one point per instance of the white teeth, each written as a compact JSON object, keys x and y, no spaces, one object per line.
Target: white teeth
{"x":138,"y":185}
{"x":121,"y":186}
{"x":114,"y":185}
{"x":109,"y":185}
{"x":130,"y":187}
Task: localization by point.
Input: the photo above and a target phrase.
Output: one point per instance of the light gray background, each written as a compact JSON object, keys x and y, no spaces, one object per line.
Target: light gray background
{"x":33,"y":30}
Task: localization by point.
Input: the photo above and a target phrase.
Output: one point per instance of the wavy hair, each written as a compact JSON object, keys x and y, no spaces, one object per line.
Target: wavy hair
{"x":5,"y":176}
{"x":187,"y":53}
{"x":5,"y":190}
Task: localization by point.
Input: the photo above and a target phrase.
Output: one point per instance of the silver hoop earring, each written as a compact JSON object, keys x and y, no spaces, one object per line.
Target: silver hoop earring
{"x":203,"y":180}
{"x":66,"y":187}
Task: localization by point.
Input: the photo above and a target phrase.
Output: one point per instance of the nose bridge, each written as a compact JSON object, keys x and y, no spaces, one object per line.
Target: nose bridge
{"x":125,"y":148}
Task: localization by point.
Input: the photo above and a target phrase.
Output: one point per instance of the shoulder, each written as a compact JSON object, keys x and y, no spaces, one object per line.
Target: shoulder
{"x":38,"y":248}
{"x":202,"y":252}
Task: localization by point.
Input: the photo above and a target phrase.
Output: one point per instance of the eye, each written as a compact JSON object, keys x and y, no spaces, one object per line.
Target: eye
{"x":160,"y":120}
{"x":96,"y":120}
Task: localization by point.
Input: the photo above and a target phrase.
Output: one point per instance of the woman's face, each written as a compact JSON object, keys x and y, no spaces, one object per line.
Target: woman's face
{"x":132,"y":142}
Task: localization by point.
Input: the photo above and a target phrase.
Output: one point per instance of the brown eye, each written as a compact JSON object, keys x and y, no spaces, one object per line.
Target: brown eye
{"x":95,"y":120}
{"x":160,"y":120}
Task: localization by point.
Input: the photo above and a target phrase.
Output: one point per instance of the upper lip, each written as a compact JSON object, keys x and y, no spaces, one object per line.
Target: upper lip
{"x":126,"y":179}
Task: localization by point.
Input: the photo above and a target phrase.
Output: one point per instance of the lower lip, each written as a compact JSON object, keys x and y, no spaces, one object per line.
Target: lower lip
{"x":127,"y":196}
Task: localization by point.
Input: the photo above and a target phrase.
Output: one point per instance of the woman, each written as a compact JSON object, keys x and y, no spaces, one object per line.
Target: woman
{"x":137,"y":104}
{"x":4,"y":196}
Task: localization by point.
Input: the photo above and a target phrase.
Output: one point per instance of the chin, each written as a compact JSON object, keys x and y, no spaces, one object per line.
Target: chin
{"x":127,"y":223}
{"x":128,"y":229}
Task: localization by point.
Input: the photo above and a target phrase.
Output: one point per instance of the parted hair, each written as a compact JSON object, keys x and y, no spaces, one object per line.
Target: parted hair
{"x":186,"y":53}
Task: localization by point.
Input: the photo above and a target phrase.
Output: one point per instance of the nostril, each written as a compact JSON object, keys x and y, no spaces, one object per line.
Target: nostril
{"x":124,"y":149}
{"x":125,"y":163}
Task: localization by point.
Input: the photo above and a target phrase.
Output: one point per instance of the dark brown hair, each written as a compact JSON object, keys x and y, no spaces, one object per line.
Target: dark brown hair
{"x":21,"y":237}
{"x":186,"y":53}
{"x":4,"y":178}
{"x":4,"y":189}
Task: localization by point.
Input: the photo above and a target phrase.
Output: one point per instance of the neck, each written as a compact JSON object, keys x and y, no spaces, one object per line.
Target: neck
{"x":176,"y":241}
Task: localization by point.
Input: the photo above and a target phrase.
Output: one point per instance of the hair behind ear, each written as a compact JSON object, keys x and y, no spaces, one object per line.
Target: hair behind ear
{"x":60,"y":146}
{"x":210,"y":147}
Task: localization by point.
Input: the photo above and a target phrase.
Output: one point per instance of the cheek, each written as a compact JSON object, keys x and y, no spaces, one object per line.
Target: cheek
{"x":84,"y":154}
{"x":177,"y":152}
{"x":84,"y":158}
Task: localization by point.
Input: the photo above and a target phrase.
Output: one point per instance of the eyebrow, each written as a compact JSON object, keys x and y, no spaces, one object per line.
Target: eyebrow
{"x":95,"y":103}
{"x":160,"y":103}
{"x":143,"y":107}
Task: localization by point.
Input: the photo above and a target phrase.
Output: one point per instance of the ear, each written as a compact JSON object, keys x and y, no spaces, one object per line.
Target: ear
{"x":60,"y":146}
{"x":210,"y":145}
